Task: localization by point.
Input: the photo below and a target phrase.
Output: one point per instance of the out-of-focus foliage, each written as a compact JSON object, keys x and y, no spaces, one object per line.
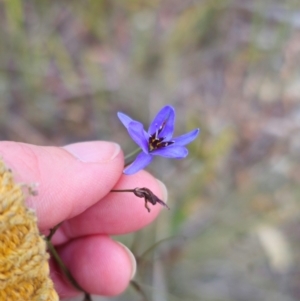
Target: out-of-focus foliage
{"x":230,"y":67}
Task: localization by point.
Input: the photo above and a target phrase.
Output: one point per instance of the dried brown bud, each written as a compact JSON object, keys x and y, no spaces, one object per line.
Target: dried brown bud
{"x":149,"y":196}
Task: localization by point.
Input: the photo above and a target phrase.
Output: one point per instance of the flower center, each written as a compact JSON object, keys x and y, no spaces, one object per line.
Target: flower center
{"x":156,"y":142}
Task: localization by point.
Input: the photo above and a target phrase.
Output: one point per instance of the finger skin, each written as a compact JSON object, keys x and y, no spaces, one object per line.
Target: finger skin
{"x":66,"y":186}
{"x":99,"y":265}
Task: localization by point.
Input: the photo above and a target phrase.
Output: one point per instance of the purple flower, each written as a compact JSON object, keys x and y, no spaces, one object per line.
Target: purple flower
{"x":158,"y":140}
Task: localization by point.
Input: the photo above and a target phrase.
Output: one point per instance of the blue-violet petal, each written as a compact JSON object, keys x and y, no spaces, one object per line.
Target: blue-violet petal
{"x":124,"y":119}
{"x":136,"y":132}
{"x":175,"y":152}
{"x":165,"y":115}
{"x":186,"y":138}
{"x":141,"y":161}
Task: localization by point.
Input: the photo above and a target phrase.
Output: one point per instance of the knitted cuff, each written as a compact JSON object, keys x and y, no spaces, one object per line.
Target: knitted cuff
{"x":24,"y":269}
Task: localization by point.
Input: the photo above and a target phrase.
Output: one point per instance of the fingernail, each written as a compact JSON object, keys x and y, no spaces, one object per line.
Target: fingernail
{"x":132,"y":260}
{"x":94,"y":151}
{"x":164,"y":190}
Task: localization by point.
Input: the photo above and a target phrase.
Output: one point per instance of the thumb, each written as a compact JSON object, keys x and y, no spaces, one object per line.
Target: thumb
{"x":70,"y":179}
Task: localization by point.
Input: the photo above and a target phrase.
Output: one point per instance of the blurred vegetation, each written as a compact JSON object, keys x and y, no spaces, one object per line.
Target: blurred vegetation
{"x":230,"y":67}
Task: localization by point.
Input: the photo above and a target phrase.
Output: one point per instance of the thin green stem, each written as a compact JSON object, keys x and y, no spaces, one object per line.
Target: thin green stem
{"x":138,"y":289}
{"x":129,"y":157}
{"x":122,"y":190}
{"x":64,"y":269}
{"x":52,"y":231}
{"x":132,"y":153}
{"x":148,"y":251}
{"x":62,"y":266}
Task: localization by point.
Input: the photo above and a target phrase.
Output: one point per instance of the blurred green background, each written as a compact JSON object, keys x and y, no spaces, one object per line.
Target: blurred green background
{"x":232,"y":68}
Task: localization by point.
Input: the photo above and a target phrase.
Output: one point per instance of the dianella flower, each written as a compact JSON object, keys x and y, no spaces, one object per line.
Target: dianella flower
{"x":158,"y":140}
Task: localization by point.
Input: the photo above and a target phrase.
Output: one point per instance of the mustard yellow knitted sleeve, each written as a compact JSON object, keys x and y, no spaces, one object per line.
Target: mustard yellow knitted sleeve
{"x":24,"y":269}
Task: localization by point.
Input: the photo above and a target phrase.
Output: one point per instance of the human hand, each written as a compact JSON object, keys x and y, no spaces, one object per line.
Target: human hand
{"x":74,"y":184}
